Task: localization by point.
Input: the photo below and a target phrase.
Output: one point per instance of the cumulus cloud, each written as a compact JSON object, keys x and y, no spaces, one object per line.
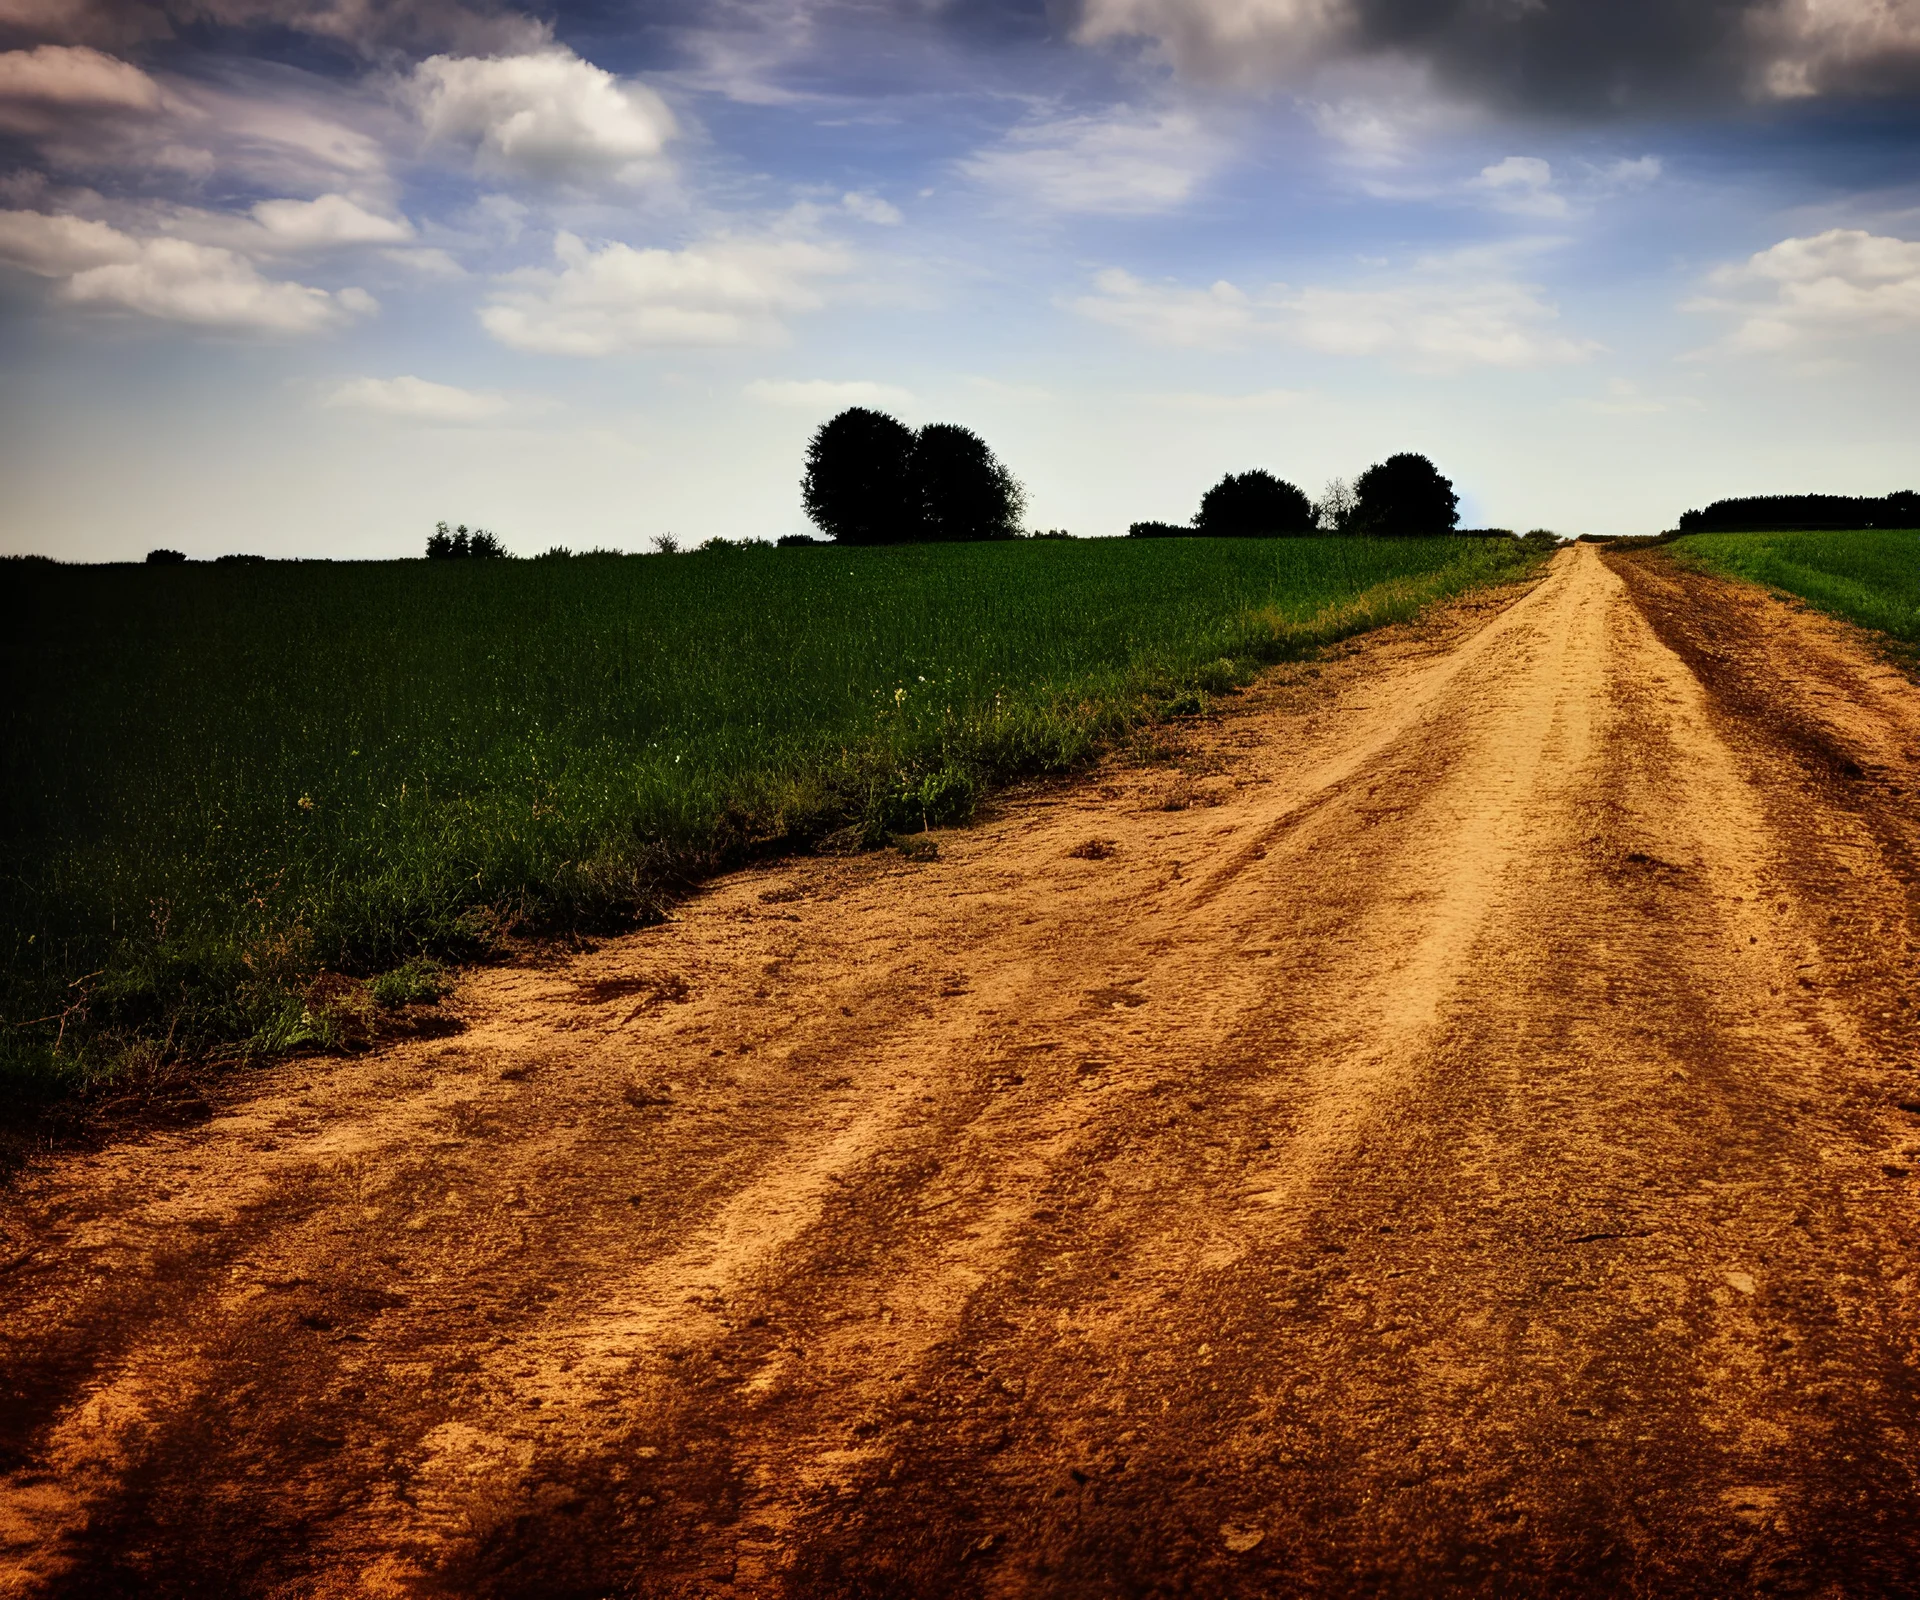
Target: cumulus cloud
{"x":1591,"y":56}
{"x":418,"y":399}
{"x":1120,"y":165}
{"x":173,"y":280}
{"x":331,"y":220}
{"x":1447,"y":314}
{"x":822,"y":394}
{"x":725,"y":290}
{"x":1522,"y":185}
{"x":1805,"y":292}
{"x":549,"y":116}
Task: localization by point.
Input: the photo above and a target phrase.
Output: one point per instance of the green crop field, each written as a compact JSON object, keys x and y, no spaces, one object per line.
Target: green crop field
{"x":1871,"y":576}
{"x":227,"y":787}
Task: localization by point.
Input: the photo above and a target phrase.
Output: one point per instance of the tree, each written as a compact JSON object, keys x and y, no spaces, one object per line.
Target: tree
{"x":859,"y":486}
{"x":1334,"y":513}
{"x":964,"y":491}
{"x":1251,"y":504}
{"x":1404,"y":494}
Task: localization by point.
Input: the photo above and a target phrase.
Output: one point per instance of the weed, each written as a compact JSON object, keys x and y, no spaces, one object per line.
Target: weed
{"x":415,"y":982}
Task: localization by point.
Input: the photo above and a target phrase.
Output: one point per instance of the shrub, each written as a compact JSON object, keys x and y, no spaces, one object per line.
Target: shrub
{"x":1160,"y":530}
{"x":859,"y":486}
{"x":795,"y":541}
{"x":1405,"y":494}
{"x":1251,"y":504}
{"x":165,"y":558}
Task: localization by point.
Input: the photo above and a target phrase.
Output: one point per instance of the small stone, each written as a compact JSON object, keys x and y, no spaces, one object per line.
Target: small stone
{"x":1743,"y":1281}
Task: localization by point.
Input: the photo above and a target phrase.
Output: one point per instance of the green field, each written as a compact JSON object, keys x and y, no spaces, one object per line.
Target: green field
{"x":1871,"y":576}
{"x":224,"y":782}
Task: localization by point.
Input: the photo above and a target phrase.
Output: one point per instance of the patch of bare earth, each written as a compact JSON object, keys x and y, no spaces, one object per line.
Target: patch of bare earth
{"x":1450,"y":1131}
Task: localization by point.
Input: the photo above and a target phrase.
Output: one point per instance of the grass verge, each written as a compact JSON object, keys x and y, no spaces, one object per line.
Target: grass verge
{"x":1870,"y":576}
{"x":249,"y":809}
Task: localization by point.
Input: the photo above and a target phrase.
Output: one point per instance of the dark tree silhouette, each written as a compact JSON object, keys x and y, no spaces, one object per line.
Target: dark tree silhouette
{"x":1771,"y":512}
{"x":1251,"y":504}
{"x":859,"y":486}
{"x":965,"y":493}
{"x":1402,"y":495}
{"x":165,"y":558}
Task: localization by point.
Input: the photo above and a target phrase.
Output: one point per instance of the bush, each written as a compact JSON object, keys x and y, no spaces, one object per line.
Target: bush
{"x":795,"y":541}
{"x":165,"y":558}
{"x":1405,"y":494}
{"x":859,"y":486}
{"x":1252,"y":504}
{"x":462,"y":544}
{"x":1161,"y":530}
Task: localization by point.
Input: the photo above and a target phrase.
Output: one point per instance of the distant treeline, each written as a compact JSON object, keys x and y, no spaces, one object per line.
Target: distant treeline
{"x":1771,"y":513}
{"x":1405,"y":494}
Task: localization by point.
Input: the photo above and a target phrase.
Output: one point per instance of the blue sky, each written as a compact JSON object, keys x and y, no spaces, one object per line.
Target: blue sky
{"x":303,"y":277}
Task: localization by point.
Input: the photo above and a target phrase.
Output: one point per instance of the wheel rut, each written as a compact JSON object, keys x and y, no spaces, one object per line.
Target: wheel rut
{"x":1447,"y":1127}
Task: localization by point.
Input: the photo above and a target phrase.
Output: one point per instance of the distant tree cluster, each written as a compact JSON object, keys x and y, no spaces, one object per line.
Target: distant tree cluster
{"x":1785,"y":512}
{"x":872,"y":480}
{"x":462,"y":544}
{"x":1405,"y":494}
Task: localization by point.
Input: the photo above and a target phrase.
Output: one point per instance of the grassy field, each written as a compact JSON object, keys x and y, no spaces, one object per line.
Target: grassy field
{"x":1871,"y":576}
{"x":228,"y":787}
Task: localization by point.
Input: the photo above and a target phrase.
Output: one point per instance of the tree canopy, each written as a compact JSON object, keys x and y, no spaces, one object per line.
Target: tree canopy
{"x":1405,"y":494}
{"x":1781,"y":512}
{"x":873,"y":480}
{"x":965,"y":493}
{"x":859,"y":486}
{"x":1253,"y":503}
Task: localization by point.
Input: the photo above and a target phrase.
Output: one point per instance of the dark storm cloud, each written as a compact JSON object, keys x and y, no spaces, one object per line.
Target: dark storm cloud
{"x":1578,"y":57}
{"x":369,"y":28}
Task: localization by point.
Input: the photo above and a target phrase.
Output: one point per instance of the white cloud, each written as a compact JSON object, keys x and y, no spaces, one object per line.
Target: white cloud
{"x":1245,"y":41}
{"x":56,"y":79}
{"x":1828,"y":286}
{"x":332,"y":219}
{"x":821,"y":394}
{"x":547,"y":117}
{"x":1522,"y":186}
{"x":1448,"y":313}
{"x":174,"y":280}
{"x":871,"y":208}
{"x":725,"y":290}
{"x":56,"y":247}
{"x":419,"y":399}
{"x":1122,"y":165}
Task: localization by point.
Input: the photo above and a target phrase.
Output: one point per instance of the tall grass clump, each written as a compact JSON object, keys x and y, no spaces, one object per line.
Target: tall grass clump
{"x":1870,"y":576}
{"x":228,"y":786}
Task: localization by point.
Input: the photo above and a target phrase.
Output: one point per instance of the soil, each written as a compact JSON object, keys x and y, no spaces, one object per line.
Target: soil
{"x":1445,"y":1125}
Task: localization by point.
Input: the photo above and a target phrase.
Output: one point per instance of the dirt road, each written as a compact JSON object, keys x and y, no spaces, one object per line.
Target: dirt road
{"x":1450,"y":1131}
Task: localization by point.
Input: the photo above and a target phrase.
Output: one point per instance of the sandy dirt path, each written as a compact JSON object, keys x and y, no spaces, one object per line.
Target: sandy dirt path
{"x":1449,"y":1130}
